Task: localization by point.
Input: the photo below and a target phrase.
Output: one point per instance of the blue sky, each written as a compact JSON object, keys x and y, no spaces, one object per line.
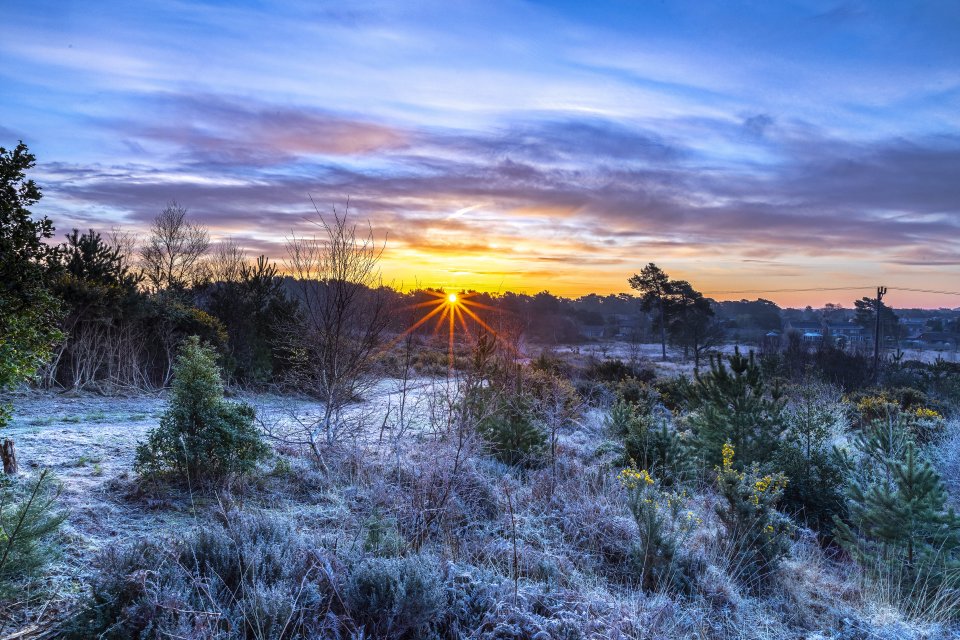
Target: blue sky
{"x":515,"y":145}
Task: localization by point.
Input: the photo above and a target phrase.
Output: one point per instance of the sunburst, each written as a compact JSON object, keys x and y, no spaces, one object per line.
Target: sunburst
{"x":450,"y":310}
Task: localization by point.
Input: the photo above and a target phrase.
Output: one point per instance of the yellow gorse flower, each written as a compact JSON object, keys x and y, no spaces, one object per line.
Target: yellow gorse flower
{"x":631,"y":478}
{"x":727,"y":453}
{"x":927,"y":414}
{"x":767,"y":484}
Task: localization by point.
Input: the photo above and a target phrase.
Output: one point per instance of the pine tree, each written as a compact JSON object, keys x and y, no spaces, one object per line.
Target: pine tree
{"x":653,"y":444}
{"x":735,"y":405}
{"x":654,"y":287}
{"x":201,"y":435}
{"x":899,"y":520}
{"x":29,"y":519}
{"x":815,"y":492}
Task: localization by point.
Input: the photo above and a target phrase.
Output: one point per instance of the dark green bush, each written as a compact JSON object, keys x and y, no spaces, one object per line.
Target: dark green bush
{"x":616,"y":370}
{"x":201,"y":435}
{"x":511,"y":431}
{"x":522,"y":413}
{"x":649,"y":441}
{"x":734,"y":404}
{"x":814,"y":493}
{"x":901,"y":527}
{"x":675,"y":393}
{"x":656,"y":446}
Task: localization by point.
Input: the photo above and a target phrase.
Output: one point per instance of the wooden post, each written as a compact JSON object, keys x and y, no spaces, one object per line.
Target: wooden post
{"x":9,"y":456}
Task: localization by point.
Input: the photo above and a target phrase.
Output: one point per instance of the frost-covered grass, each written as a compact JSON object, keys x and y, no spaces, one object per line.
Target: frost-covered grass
{"x":404,"y":530}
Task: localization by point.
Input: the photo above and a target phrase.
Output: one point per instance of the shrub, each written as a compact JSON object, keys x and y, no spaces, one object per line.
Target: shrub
{"x":814,"y":494}
{"x":201,"y":435}
{"x":900,"y":528}
{"x":621,"y":417}
{"x":910,"y":406}
{"x":927,"y":425}
{"x":382,"y":536}
{"x":757,"y":535}
{"x":675,"y":393}
{"x":660,"y":448}
{"x":549,"y":362}
{"x":616,"y":370}
{"x":648,"y":440}
{"x":638,"y":393}
{"x":394,"y":597}
{"x":736,"y":406}
{"x":28,"y":520}
{"x":662,"y":527}
{"x":252,"y":577}
{"x":510,"y":421}
{"x":850,"y":371}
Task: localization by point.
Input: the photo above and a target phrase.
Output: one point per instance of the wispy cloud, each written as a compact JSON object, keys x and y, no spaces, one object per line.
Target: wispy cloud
{"x":491,"y":139}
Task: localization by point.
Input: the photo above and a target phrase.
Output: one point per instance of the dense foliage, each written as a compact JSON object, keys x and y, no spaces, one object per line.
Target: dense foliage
{"x":201,"y":436}
{"x":28,"y":322}
{"x":733,"y":403}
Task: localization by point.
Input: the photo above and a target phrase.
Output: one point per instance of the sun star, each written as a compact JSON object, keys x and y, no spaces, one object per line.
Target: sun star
{"x":450,"y":309}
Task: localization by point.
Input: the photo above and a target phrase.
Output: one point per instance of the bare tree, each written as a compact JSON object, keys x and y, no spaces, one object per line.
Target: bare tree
{"x":173,"y":256}
{"x":125,"y":243}
{"x":343,"y":315}
{"x":228,"y":262}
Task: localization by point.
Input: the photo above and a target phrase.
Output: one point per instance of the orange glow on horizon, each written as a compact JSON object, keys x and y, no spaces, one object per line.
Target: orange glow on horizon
{"x":452,"y":310}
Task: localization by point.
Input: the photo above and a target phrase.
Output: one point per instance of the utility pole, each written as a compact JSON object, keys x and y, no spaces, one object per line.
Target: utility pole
{"x":881,"y":291}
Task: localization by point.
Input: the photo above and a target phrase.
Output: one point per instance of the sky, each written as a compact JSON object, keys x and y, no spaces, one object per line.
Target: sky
{"x":748,"y":147}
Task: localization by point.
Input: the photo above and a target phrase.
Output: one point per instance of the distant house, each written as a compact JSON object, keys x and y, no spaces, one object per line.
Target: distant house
{"x":939,"y":339}
{"x":771,"y":339}
{"x":810,"y":331}
{"x":847,"y":331}
{"x":625,"y":325}
{"x":591,"y":331}
{"x":912,"y":327}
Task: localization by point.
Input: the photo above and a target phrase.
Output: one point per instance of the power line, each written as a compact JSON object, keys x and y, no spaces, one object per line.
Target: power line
{"x":944,"y":293}
{"x":855,"y":288}
{"x":866,"y":287}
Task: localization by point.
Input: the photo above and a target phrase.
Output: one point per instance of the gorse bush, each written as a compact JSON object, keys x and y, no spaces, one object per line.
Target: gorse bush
{"x":663,"y":525}
{"x":28,"y":521}
{"x":676,"y":394}
{"x":649,"y":441}
{"x":621,"y":417}
{"x":201,"y":435}
{"x":757,"y":535}
{"x":653,"y":444}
